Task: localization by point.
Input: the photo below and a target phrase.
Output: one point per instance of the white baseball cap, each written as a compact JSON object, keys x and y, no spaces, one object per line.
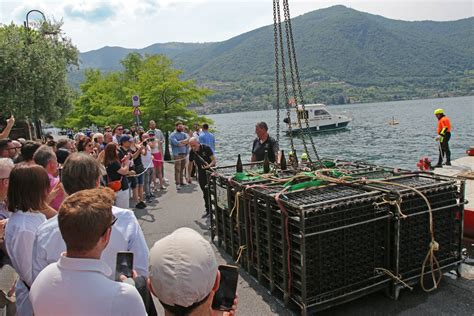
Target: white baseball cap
{"x":183,"y":268}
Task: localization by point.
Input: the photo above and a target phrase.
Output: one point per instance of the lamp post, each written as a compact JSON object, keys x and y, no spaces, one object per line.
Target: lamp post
{"x":26,"y":23}
{"x":36,"y":120}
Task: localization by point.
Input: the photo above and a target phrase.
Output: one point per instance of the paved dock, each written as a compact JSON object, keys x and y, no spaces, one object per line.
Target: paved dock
{"x":174,"y":209}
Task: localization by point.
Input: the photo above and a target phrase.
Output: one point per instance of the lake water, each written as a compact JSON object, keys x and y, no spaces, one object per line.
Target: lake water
{"x":369,"y":137}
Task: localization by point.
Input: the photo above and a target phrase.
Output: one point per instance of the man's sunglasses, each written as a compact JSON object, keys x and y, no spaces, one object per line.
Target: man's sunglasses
{"x":114,"y":219}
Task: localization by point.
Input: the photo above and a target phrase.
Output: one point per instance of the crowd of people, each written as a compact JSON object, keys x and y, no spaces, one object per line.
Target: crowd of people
{"x":65,"y":214}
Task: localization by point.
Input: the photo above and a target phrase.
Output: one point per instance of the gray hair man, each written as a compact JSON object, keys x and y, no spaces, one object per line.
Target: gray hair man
{"x":46,"y":157}
{"x":6,"y":166}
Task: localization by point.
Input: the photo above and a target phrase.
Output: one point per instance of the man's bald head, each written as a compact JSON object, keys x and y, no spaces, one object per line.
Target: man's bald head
{"x":194,"y":143}
{"x":6,"y":166}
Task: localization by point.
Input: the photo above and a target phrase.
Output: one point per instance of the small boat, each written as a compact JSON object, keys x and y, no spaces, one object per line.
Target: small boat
{"x":319,"y":119}
{"x":393,"y":122}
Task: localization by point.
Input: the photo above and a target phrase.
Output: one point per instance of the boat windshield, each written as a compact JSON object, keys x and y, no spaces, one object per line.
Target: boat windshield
{"x":320,"y":112}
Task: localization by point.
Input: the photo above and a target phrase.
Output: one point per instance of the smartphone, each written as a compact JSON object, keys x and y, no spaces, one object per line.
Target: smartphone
{"x":225,"y":295}
{"x":124,"y":264}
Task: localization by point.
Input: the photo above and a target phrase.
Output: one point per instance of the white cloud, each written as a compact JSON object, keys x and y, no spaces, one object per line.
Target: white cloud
{"x":96,"y":23}
{"x":90,"y":11}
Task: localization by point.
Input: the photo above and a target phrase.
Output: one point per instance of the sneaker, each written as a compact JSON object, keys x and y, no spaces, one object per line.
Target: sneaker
{"x":152,"y":195}
{"x":448,"y":163}
{"x":178,"y":187}
{"x":140,"y":205}
{"x":148,"y":200}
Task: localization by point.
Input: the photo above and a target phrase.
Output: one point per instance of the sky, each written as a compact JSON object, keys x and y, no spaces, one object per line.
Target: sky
{"x":92,"y":24}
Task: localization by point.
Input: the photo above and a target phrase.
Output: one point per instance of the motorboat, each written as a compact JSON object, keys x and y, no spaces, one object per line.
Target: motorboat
{"x":393,"y":121}
{"x":319,"y":119}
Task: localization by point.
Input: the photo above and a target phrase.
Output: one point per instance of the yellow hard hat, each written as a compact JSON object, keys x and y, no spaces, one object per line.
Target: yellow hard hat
{"x":304,"y":156}
{"x":439,"y":111}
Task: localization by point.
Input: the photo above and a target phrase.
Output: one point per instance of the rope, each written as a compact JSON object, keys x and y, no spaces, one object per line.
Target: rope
{"x":161,"y":160}
{"x":240,"y":252}
{"x":396,"y":202}
{"x":394,"y":277}
{"x":433,"y":246}
{"x":236,"y":208}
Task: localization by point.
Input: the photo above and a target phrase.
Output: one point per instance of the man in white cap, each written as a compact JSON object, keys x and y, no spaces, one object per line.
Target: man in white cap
{"x":183,"y":274}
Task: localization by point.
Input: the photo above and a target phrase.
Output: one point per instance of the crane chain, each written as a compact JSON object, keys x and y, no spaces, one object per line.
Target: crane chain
{"x":298,"y":81}
{"x":283,"y":68}
{"x":290,"y":62}
{"x":277,"y":71}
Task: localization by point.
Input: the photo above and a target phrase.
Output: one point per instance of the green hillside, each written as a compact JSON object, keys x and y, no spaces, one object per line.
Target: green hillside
{"x":344,"y":56}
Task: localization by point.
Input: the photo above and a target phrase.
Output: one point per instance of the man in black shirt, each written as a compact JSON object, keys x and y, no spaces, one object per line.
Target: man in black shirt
{"x":263,"y":143}
{"x":204,"y":159}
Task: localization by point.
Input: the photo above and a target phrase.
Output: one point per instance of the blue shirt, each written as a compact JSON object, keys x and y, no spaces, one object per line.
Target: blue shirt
{"x":208,"y":139}
{"x":175,"y":138}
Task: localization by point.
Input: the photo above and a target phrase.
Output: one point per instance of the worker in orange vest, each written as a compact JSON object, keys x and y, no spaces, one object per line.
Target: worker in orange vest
{"x":444,"y":134}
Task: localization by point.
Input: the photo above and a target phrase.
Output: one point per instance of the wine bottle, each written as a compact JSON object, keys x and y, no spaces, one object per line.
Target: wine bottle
{"x":238,"y":167}
{"x":283,"y":161}
{"x":295,"y":161}
{"x":266,"y":163}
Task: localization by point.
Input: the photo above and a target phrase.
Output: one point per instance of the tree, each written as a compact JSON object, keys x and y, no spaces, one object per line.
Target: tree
{"x":33,"y":68}
{"x":164,"y":97}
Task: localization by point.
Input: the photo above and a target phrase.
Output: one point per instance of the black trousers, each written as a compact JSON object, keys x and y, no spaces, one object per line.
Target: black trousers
{"x":202,"y":178}
{"x":140,"y":284}
{"x":444,"y":151}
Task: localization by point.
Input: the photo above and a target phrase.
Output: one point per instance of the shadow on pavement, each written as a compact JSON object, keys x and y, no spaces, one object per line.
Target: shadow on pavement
{"x":276,"y":306}
{"x":204,"y":226}
{"x":145,"y":214}
{"x":189,"y":188}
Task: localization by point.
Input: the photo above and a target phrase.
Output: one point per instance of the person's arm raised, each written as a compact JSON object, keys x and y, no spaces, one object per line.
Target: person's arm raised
{"x":6,"y":132}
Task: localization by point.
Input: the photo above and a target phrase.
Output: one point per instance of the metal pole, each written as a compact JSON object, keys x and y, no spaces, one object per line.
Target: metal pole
{"x":36,"y":120}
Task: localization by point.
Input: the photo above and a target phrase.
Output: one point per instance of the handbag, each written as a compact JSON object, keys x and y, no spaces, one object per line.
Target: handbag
{"x":114,"y":185}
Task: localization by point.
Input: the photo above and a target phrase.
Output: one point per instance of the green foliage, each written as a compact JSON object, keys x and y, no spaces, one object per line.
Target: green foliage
{"x":33,"y":68}
{"x":164,"y":97}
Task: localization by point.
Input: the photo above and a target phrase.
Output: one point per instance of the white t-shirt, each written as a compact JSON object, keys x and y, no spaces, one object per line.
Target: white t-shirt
{"x":75,"y":286}
{"x":147,"y":159}
{"x":19,"y":238}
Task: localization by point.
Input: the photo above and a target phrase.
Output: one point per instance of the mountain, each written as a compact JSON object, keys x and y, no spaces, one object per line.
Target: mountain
{"x":343,"y":56}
